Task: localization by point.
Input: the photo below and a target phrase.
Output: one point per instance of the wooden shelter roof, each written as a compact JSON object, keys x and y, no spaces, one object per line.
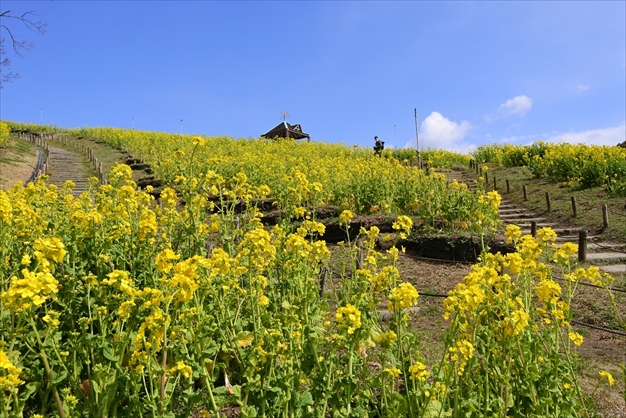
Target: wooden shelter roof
{"x":286,"y":130}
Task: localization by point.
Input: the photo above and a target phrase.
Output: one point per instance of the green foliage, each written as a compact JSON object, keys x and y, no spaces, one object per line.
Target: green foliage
{"x":577,"y":165}
{"x":4,"y":134}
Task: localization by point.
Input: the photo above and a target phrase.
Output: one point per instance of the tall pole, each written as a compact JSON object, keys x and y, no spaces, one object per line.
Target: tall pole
{"x":417,"y":141}
{"x":181,"y":134}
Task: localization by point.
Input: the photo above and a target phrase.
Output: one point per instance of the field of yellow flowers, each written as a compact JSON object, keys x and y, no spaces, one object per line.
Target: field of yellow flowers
{"x":577,"y":165}
{"x":4,"y":133}
{"x":115,"y":304}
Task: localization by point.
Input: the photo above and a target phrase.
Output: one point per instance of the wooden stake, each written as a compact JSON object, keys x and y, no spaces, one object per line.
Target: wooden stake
{"x":574,"y":209}
{"x":361,"y":254}
{"x":582,"y":246}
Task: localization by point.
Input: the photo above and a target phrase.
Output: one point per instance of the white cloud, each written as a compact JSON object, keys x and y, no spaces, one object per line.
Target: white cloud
{"x":440,"y":132}
{"x":604,"y":136}
{"x":583,"y":87}
{"x":518,"y":105}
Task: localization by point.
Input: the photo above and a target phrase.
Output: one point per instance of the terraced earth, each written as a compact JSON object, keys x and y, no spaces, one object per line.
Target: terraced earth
{"x":434,"y":278}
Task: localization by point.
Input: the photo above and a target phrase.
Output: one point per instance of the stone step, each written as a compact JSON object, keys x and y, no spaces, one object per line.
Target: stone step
{"x":605,"y":256}
{"x":511,"y":210}
{"x":521,"y":218}
{"x":526,"y":223}
{"x":560,"y":232}
{"x":614,"y":268}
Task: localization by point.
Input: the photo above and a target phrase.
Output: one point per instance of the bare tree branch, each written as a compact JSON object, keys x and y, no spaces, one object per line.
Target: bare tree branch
{"x":18,"y":46}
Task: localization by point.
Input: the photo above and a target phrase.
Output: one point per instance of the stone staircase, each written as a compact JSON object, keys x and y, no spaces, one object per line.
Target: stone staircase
{"x":608,"y":256}
{"x":64,"y":165}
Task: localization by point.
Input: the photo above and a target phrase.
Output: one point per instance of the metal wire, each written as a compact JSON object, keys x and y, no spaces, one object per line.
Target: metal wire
{"x":438,"y":260}
{"x":612,"y":289}
{"x":609,"y":330}
{"x":605,"y":247}
{"x":432,"y":295}
{"x":617,"y":213}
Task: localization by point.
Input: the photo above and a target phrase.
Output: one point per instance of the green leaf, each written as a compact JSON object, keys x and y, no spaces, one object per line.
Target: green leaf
{"x":60,"y":377}
{"x":305,"y":399}
{"x":244,"y":339}
{"x":435,"y":409}
{"x":95,"y":386}
{"x":109,"y":354}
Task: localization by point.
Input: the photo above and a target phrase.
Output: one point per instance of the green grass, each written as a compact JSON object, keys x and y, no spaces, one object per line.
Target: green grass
{"x":589,"y":201}
{"x":15,"y":151}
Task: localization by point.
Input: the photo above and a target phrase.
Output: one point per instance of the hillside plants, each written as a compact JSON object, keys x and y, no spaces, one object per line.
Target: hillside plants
{"x":4,"y":134}
{"x":113,"y":304}
{"x":581,"y":165}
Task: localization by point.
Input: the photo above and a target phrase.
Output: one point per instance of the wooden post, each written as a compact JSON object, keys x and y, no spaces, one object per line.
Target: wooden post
{"x":548,"y":202}
{"x":533,"y":228}
{"x":508,"y":187}
{"x":574,"y":209}
{"x":582,"y":246}
{"x":605,"y":216}
{"x":323,"y":280}
{"x":525,"y":193}
{"x":495,"y":183}
{"x":361,"y":255}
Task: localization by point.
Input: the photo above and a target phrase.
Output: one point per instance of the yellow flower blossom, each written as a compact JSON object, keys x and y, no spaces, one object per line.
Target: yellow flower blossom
{"x":608,"y":376}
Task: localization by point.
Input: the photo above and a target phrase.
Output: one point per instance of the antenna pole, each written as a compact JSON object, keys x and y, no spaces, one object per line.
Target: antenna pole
{"x":181,"y":134}
{"x":417,"y":141}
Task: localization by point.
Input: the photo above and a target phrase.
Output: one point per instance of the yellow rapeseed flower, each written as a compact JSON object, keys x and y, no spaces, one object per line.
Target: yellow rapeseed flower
{"x":404,"y":296}
{"x":608,"y":376}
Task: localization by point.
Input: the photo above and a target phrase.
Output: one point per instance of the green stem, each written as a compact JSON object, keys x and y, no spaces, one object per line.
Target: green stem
{"x":46,"y":365}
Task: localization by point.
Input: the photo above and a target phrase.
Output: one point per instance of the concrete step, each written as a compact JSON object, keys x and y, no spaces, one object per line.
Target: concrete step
{"x":560,"y":232}
{"x":605,"y":256}
{"x":521,"y":219}
{"x":614,"y":268}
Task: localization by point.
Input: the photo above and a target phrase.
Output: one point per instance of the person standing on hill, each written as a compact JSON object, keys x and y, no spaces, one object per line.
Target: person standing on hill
{"x":379,"y":146}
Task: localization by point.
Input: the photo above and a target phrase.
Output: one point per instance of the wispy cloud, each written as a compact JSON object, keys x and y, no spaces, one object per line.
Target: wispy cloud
{"x":583,"y":87}
{"x":438,"y":131}
{"x":518,"y":105}
{"x":603,"y":136}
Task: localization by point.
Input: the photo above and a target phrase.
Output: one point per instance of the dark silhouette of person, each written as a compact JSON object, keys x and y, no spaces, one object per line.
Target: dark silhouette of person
{"x":379,"y":146}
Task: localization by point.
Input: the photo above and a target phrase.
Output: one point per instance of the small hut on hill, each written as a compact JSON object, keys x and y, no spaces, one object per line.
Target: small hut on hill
{"x":286,"y":130}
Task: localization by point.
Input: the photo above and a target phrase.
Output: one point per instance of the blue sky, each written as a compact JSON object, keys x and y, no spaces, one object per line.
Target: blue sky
{"x":477,"y":72}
